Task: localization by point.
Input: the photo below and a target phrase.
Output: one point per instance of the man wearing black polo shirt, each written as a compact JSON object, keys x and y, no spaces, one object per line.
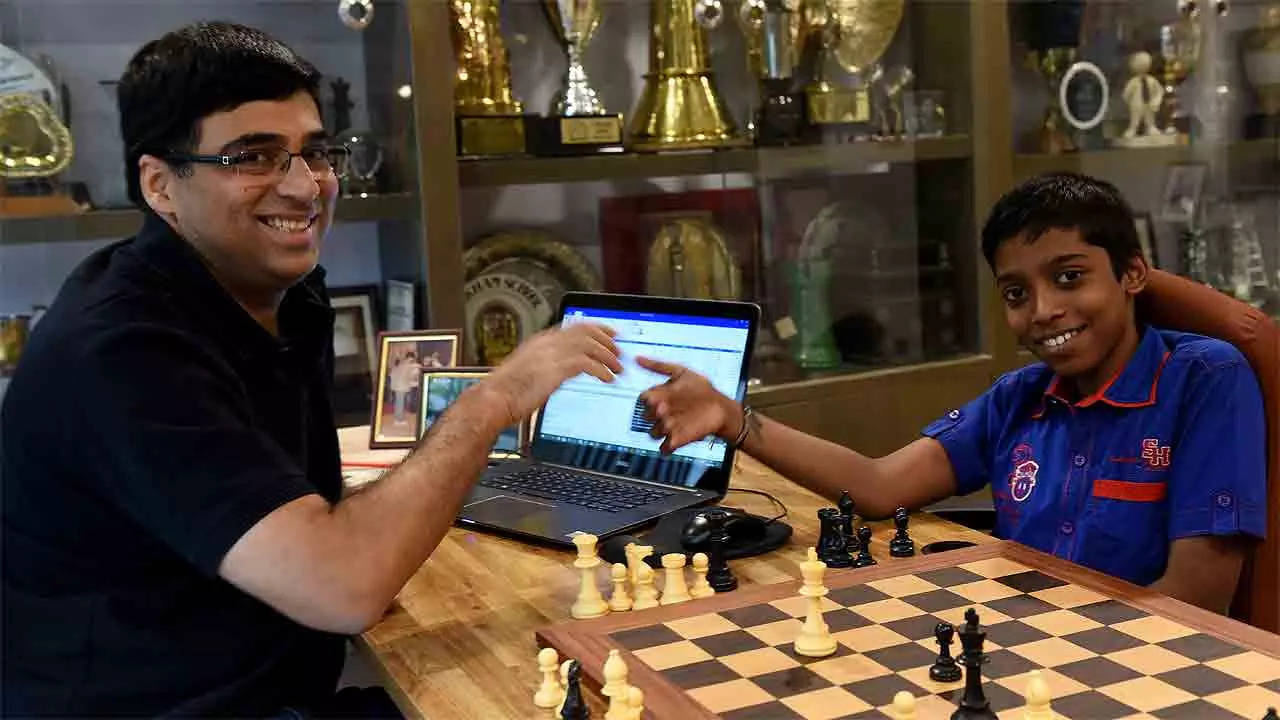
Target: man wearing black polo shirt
{"x":173,"y":534}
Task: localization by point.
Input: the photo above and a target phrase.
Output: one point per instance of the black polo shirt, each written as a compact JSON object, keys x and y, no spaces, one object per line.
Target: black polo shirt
{"x":149,"y":424}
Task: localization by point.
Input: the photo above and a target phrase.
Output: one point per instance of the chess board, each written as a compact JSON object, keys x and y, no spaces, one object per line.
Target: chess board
{"x":1107,"y":649}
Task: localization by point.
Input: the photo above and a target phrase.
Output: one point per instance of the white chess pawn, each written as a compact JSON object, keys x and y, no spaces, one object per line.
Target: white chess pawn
{"x":635,"y":698}
{"x":701,"y":588}
{"x":589,"y":603}
{"x":674,"y":590}
{"x":646,"y":593}
{"x":904,"y":706}
{"x":615,"y":687}
{"x":815,"y":638}
{"x":1037,"y":698}
{"x":550,"y":692}
{"x":619,"y":601}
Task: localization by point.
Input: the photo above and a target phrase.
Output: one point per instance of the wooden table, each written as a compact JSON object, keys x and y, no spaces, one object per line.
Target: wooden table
{"x":459,"y":640}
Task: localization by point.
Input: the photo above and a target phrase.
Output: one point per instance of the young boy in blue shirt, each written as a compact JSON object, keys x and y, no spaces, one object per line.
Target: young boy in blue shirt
{"x":1133,"y":450}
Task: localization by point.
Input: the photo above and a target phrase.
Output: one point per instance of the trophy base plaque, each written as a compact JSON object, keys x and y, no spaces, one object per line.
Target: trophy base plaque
{"x":1259,"y":126}
{"x":781,"y":117}
{"x":41,"y":198}
{"x":482,"y":135}
{"x":559,"y":135}
{"x":838,"y":114}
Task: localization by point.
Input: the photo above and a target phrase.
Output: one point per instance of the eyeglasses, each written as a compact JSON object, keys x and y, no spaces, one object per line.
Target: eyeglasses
{"x":274,"y":162}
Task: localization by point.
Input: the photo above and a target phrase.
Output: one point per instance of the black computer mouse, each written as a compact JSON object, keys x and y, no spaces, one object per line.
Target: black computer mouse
{"x":741,"y":527}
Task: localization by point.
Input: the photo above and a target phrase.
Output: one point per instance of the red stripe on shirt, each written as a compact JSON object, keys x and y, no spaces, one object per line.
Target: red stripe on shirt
{"x":1134,"y":491}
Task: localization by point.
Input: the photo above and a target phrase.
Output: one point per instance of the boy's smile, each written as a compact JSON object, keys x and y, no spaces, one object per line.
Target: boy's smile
{"x":1064,"y":303}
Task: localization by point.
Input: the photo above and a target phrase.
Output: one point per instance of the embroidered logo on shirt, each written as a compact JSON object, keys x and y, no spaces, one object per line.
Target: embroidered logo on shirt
{"x":1155,"y":455}
{"x":1023,"y":478}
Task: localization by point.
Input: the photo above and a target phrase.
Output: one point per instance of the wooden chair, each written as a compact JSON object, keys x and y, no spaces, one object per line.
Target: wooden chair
{"x":1175,"y":303}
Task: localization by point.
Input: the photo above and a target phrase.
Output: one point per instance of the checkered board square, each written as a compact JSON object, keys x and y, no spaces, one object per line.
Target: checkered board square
{"x":1107,"y":649}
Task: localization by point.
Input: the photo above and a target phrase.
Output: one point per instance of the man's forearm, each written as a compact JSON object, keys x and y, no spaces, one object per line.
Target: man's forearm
{"x":386,"y":532}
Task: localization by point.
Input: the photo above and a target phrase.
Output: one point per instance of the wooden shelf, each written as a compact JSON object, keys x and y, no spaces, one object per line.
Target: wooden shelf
{"x":766,"y":162}
{"x":121,"y":223}
{"x":1106,"y":162}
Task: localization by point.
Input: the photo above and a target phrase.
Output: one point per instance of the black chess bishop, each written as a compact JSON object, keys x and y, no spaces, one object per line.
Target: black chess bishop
{"x":944,"y":669}
{"x":974,"y":704}
{"x":864,"y":548}
{"x":901,"y":545}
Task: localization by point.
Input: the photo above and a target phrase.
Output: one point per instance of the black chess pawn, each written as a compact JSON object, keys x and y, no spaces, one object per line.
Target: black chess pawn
{"x":974,"y":704}
{"x":831,"y":543}
{"x":719,"y":576}
{"x":845,"y":503}
{"x":574,"y":708}
{"x":944,"y":669}
{"x":864,"y":548}
{"x":901,"y":545}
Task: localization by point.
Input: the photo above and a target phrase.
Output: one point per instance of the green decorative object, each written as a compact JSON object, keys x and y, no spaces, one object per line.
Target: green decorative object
{"x":814,"y":345}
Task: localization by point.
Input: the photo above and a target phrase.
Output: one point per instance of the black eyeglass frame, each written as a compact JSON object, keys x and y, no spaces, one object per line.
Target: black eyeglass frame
{"x":235,"y":160}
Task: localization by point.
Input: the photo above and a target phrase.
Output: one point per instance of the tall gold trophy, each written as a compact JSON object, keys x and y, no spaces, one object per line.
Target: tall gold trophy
{"x":490,"y":121}
{"x":680,"y":107}
{"x":849,"y":35}
{"x":578,"y":123}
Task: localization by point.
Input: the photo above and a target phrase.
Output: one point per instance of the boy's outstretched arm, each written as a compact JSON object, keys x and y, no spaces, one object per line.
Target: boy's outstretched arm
{"x":688,"y":408}
{"x":1204,"y":570}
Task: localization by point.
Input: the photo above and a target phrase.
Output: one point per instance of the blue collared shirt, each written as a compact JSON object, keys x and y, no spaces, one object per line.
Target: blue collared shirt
{"x":1173,"y":446}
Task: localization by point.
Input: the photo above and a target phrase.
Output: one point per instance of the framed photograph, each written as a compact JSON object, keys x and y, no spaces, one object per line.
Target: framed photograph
{"x":353,"y":329}
{"x":630,"y":225}
{"x":1183,"y":185}
{"x":1146,"y":237}
{"x":401,"y":301}
{"x":441,"y":387}
{"x":402,"y":357}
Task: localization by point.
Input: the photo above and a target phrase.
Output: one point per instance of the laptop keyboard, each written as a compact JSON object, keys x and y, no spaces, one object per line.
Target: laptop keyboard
{"x":588,"y":491}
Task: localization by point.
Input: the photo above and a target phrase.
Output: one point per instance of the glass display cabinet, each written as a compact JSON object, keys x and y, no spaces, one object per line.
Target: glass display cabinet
{"x":63,"y":193}
{"x":1178,"y":104}
{"x":816,"y":158}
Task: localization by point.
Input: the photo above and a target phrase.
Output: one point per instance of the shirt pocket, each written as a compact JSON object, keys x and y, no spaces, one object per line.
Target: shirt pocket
{"x":1127,"y":527}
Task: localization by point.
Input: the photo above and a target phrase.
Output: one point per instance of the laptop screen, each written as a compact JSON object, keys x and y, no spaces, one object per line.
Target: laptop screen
{"x":600,"y":426}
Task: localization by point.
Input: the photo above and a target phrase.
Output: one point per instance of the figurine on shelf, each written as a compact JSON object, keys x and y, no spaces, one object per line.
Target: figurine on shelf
{"x":1143,"y":95}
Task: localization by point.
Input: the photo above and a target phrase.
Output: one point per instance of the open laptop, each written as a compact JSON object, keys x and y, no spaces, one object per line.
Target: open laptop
{"x":592,"y":467}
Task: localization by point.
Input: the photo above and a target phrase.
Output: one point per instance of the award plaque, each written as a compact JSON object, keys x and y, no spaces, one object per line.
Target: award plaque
{"x":490,"y":121}
{"x":578,"y":123}
{"x":514,"y":281}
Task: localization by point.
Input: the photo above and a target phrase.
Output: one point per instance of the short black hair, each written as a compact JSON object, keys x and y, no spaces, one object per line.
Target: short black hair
{"x":1065,"y":200}
{"x":195,"y":71}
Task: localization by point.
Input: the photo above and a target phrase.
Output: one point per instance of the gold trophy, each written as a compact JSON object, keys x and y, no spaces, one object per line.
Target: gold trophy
{"x":578,"y":123}
{"x":1052,"y":136}
{"x":1180,"y":43}
{"x":680,"y":107}
{"x":690,"y":258}
{"x":490,"y":121}
{"x":850,"y":36}
{"x":771,"y":28}
{"x":34,"y":143}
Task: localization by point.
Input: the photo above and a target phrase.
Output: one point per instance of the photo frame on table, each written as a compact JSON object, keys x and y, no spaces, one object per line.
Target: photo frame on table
{"x":442,"y":386}
{"x":401,"y":306}
{"x":397,"y":405}
{"x":1146,"y":237}
{"x":1180,"y":197}
{"x":354,"y":329}
{"x":629,"y":225}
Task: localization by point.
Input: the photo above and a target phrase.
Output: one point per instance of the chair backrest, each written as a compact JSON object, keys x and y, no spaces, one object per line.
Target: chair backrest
{"x":1176,"y":303}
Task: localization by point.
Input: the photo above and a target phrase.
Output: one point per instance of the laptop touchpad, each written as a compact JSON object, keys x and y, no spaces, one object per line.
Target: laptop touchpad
{"x":511,"y":512}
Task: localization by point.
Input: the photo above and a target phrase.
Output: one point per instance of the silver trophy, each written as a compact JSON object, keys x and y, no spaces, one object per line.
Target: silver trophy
{"x":574,"y":22}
